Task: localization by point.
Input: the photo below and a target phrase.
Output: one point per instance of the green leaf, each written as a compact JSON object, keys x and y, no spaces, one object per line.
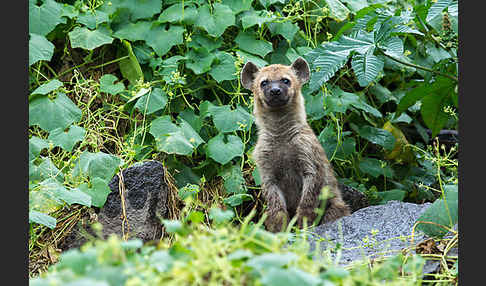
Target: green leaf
{"x":50,"y":114}
{"x":442,"y":212}
{"x":81,"y":37}
{"x":234,"y":183}
{"x":137,"y":31}
{"x":45,"y":170}
{"x":215,"y":23}
{"x":178,"y":13}
{"x":152,"y":101}
{"x":436,"y":9}
{"x":40,"y":49}
{"x":252,"y":18}
{"x":286,"y":29}
{"x":375,"y":168}
{"x":43,"y":200}
{"x":378,"y":136}
{"x":393,"y":46}
{"x":162,"y":39}
{"x":268,"y":261}
{"x":220,"y":216}
{"x":227,"y":120}
{"x":267,"y":3}
{"x":107,"y":84}
{"x":58,"y":191}
{"x":140,"y":9}
{"x":36,"y":145}
{"x":44,"y":18}
{"x":247,"y":42}
{"x":130,"y":67}
{"x":366,"y":67}
{"x":223,"y":148}
{"x":337,"y":10}
{"x":92,"y":19}
{"x":200,"y":62}
{"x":98,"y":164}
{"x":314,"y":107}
{"x":288,"y":277}
{"x":432,"y":110}
{"x":437,"y":54}
{"x":224,"y":69}
{"x":41,"y":218}
{"x":238,"y":5}
{"x":251,"y":58}
{"x":47,"y":87}
{"x":237,"y":199}
{"x":67,"y":139}
{"x":98,"y":191}
{"x":391,"y":195}
{"x":202,"y":41}
{"x":173,"y":139}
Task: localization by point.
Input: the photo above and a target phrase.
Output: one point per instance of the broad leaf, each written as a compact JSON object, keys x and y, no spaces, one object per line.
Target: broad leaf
{"x":237,"y":199}
{"x":92,"y":19}
{"x":287,"y":277}
{"x":251,"y":58}
{"x":215,"y":23}
{"x":432,"y":110}
{"x":436,"y":9}
{"x":130,"y":67}
{"x":224,"y":148}
{"x":100,"y":165}
{"x":40,"y":49}
{"x":286,"y":29}
{"x":67,"y":139}
{"x":47,"y":87}
{"x":338,"y":11}
{"x":366,"y":67}
{"x":224,"y":69}
{"x":152,"y":101}
{"x":220,"y":216}
{"x":140,"y":9}
{"x":271,"y":260}
{"x":98,"y":192}
{"x":41,"y":218}
{"x":44,"y":18}
{"x":252,"y":18}
{"x":179,"y":13}
{"x":162,"y":39}
{"x":137,"y":31}
{"x":173,"y":139}
{"x":50,"y":114}
{"x":227,"y":120}
{"x":247,"y":42}
{"x":234,"y":183}
{"x":391,"y":195}
{"x":81,"y":37}
{"x":378,"y":136}
{"x":36,"y":145}
{"x":238,"y":5}
{"x":107,"y":84}
{"x":375,"y":167}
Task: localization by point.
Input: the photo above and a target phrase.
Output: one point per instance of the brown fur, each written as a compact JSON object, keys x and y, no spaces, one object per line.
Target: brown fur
{"x":292,"y":163}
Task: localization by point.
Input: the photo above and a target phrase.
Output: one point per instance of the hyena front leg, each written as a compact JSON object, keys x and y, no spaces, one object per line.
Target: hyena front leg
{"x":277,"y":215}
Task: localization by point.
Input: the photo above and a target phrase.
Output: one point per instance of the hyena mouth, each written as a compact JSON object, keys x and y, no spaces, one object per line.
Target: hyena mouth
{"x":276,"y":101}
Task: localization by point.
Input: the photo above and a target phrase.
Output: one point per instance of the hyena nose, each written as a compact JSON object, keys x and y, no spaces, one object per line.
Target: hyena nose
{"x":275,"y":91}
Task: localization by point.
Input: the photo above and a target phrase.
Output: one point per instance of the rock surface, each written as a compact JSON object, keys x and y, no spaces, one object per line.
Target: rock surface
{"x":392,"y":221}
{"x":145,"y":197}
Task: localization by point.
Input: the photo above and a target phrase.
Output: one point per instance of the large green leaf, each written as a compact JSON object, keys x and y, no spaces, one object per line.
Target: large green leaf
{"x":366,"y":67}
{"x":50,"y":114}
{"x":177,"y":13}
{"x":224,"y":69}
{"x":286,"y":29}
{"x":40,"y":49}
{"x":100,"y":165}
{"x":227,"y":120}
{"x":107,"y":84}
{"x":215,"y":22}
{"x":41,"y":218}
{"x":92,"y":19}
{"x":45,"y":170}
{"x":247,"y":42}
{"x":140,"y":9}
{"x":378,"y":136}
{"x":238,"y":5}
{"x":58,"y":191}
{"x":251,"y":58}
{"x":200,"y":61}
{"x":443,"y":211}
{"x":287,"y":277}
{"x":162,"y":39}
{"x":252,"y":17}
{"x":234,"y":183}
{"x":67,"y":139}
{"x":337,"y":10}
{"x":36,"y":145}
{"x":432,"y":110}
{"x":152,"y":101}
{"x":137,"y":31}
{"x":98,"y":191}
{"x":81,"y":37}
{"x":375,"y":167}
{"x":173,"y":139}
{"x":47,"y":87}
{"x":436,"y":9}
{"x":44,"y":18}
{"x":222,"y":148}
{"x":268,"y":261}
{"x":130,"y":67}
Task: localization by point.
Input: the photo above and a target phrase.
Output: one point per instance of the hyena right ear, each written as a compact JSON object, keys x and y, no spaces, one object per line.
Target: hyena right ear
{"x":248,"y":74}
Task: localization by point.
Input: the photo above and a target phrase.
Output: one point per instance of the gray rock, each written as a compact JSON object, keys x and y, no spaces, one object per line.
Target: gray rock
{"x":391,"y":222}
{"x":145,"y":203}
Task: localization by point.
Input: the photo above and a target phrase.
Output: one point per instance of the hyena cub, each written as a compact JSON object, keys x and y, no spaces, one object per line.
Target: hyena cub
{"x":292,"y":163}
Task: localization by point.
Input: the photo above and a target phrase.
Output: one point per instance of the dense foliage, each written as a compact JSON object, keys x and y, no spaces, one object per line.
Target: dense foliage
{"x":116,"y":82}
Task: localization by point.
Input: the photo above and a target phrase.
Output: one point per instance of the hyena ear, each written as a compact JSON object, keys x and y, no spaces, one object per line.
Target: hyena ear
{"x":301,"y":69}
{"x":248,"y":74}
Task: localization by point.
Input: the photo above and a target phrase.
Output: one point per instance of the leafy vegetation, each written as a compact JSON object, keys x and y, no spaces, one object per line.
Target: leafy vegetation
{"x":116,"y":82}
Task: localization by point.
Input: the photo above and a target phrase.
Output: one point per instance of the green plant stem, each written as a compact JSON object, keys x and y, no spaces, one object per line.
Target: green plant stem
{"x":422,"y":68}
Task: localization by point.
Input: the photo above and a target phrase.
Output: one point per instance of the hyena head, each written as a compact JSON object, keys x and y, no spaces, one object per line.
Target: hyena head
{"x":275,"y":86}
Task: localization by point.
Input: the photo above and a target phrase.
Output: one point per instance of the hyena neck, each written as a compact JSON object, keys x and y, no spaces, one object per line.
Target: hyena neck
{"x":284,"y":121}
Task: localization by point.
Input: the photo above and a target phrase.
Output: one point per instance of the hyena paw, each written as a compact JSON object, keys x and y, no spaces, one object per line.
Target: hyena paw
{"x":305,"y":217}
{"x":276,"y":220}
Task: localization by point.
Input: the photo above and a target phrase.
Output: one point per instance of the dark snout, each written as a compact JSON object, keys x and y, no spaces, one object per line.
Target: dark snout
{"x":276,"y":94}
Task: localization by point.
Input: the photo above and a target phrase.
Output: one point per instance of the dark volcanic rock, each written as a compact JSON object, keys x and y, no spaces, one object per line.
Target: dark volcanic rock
{"x":355,"y":199}
{"x":145,"y":203}
{"x":391,"y":224}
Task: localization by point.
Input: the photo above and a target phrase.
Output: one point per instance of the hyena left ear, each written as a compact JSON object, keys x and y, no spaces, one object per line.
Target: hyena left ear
{"x":248,"y":74}
{"x":301,"y":69}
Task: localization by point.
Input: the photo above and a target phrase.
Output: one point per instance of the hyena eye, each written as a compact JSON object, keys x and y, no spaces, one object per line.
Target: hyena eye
{"x":285,"y":80}
{"x":264,"y":83}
